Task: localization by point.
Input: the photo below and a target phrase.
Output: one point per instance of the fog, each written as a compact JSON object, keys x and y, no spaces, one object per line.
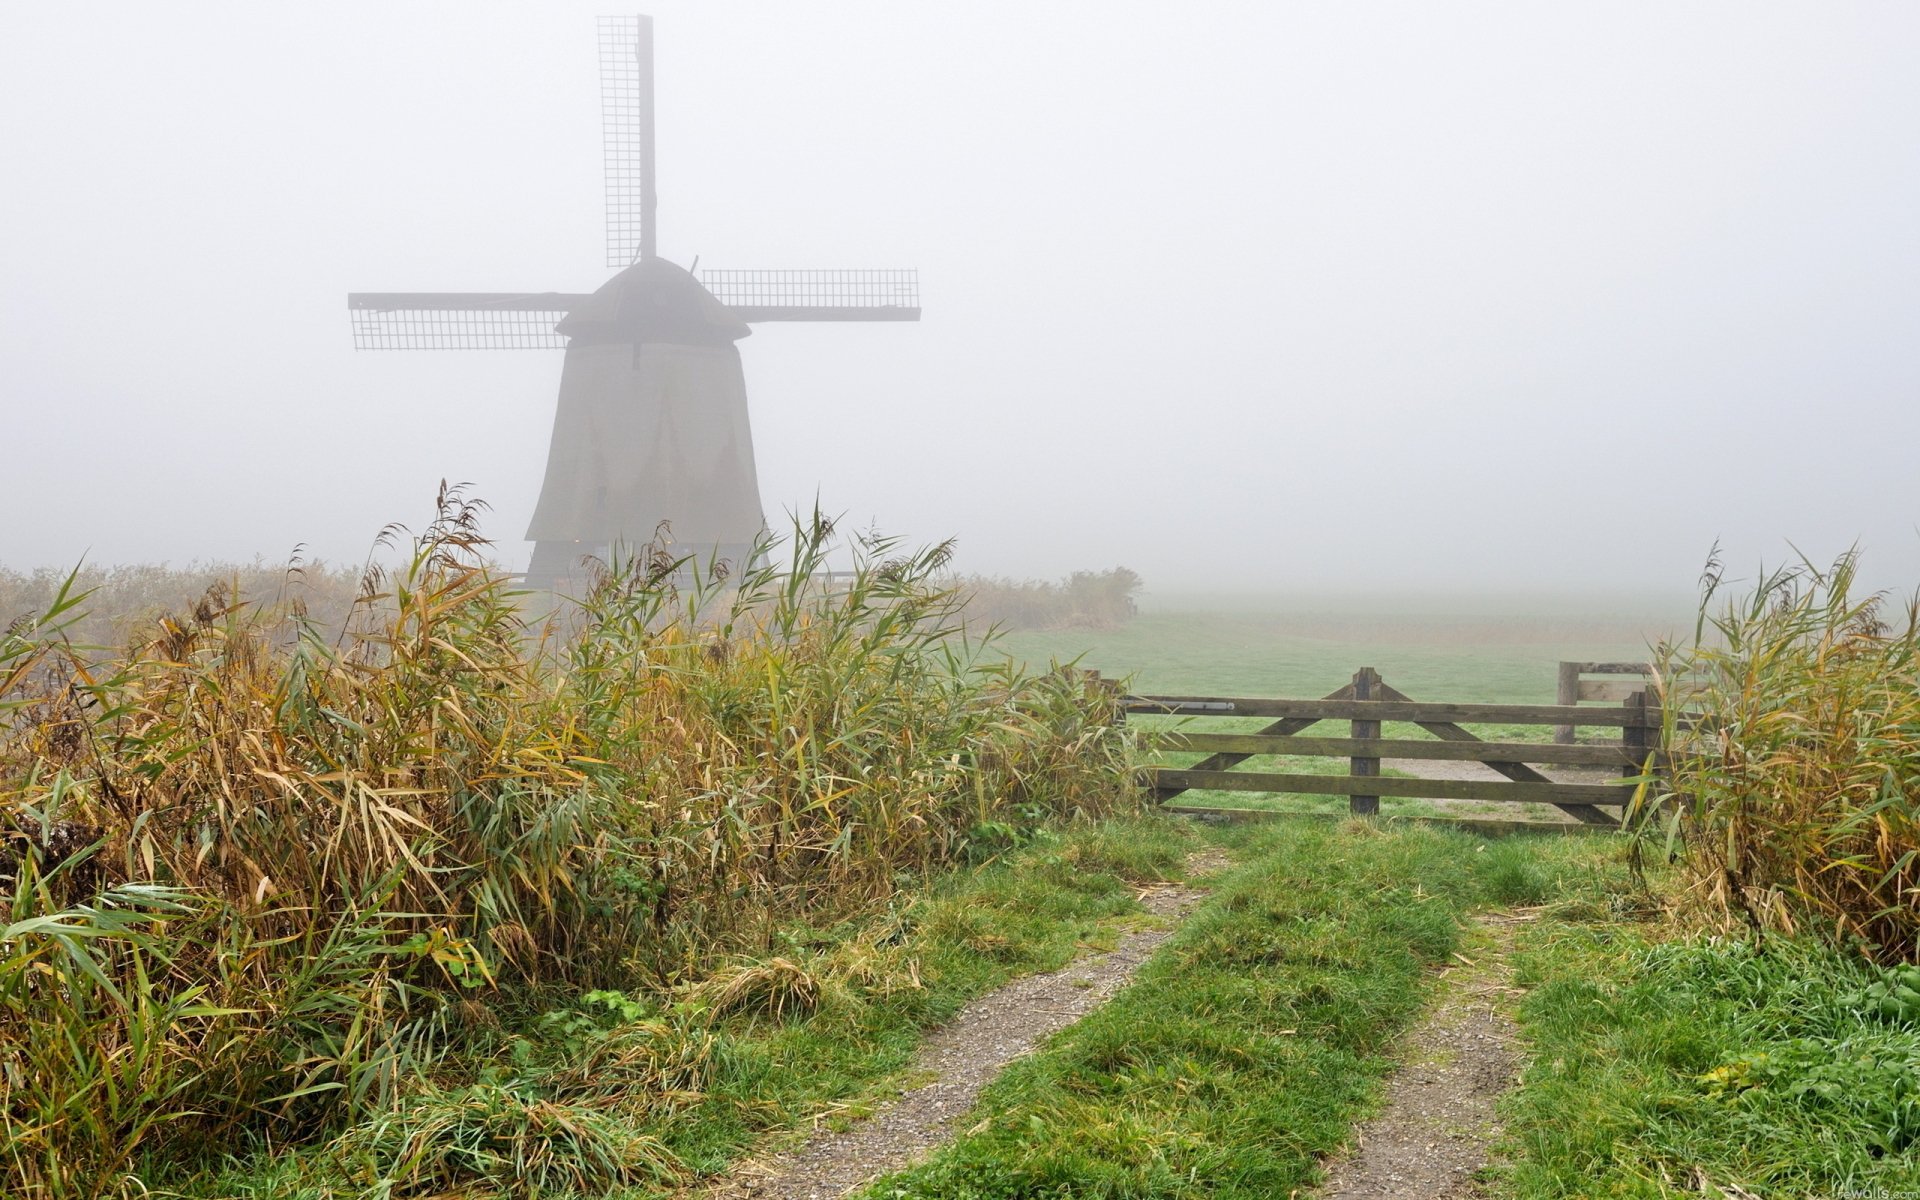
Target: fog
{"x":1342,"y":297}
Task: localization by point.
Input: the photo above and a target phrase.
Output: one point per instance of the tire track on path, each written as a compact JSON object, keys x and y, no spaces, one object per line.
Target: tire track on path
{"x":1433,"y":1135}
{"x":962,"y":1057}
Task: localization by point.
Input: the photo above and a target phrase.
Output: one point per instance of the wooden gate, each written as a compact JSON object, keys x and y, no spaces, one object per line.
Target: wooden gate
{"x":1367,"y":703}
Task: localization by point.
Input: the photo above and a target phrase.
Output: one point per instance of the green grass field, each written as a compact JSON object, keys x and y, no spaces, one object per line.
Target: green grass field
{"x":1468,"y":651}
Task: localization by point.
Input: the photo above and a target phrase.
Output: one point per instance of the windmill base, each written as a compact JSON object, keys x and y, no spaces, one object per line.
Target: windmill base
{"x":569,"y":567}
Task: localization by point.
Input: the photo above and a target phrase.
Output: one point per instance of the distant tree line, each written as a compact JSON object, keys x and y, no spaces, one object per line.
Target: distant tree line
{"x":1083,"y":600}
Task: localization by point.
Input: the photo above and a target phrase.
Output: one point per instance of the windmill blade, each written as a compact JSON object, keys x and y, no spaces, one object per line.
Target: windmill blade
{"x":842,"y":294}
{"x":626,"y":136}
{"x":459,"y":320}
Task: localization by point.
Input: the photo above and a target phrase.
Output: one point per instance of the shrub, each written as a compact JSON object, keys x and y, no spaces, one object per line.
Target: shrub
{"x":1084,"y":599}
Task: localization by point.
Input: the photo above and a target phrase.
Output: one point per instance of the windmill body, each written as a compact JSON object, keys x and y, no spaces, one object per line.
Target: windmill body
{"x":651,"y":425}
{"x":651,"y":428}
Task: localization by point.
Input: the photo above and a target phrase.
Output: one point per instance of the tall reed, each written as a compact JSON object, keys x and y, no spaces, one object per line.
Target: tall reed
{"x":264,"y":872}
{"x":1795,"y":780}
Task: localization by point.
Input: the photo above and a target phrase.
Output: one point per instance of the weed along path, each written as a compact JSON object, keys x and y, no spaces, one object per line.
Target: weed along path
{"x":962,"y":1057}
{"x":1432,"y":1136}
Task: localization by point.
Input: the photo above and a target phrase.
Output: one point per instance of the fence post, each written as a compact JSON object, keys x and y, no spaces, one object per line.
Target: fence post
{"x":1364,"y":683}
{"x":1568,"y":692}
{"x":1633,"y":736}
{"x":1117,"y":715}
{"x":1109,"y":689}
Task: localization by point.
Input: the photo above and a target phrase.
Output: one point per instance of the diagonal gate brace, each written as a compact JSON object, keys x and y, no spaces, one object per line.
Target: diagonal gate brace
{"x":1519,"y":772}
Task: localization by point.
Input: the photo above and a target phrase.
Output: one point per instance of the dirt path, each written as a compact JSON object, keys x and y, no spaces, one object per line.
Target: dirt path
{"x":1433,"y":1134}
{"x":961,"y":1058}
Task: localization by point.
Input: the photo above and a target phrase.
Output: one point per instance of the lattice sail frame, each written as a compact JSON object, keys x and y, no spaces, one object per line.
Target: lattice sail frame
{"x":626,"y":133}
{"x":865,"y":290}
{"x":458,"y":321}
{"x":525,"y":320}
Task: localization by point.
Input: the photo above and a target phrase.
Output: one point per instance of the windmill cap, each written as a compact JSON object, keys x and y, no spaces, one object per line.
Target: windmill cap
{"x":654,"y":301}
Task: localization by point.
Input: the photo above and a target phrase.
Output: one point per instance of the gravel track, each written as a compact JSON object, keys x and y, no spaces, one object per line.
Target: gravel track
{"x":961,"y":1058}
{"x":1432,"y":1138}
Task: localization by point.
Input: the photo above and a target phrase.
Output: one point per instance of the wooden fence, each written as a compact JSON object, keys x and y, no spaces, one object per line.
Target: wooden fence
{"x":1365,"y":704}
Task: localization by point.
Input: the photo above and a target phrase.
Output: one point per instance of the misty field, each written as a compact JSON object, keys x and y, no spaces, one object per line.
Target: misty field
{"x":1235,"y":376}
{"x":1482,"y":649}
{"x":394,"y":886}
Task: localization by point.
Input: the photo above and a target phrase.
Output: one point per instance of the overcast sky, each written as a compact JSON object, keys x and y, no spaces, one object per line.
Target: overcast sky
{"x":1328,"y":295}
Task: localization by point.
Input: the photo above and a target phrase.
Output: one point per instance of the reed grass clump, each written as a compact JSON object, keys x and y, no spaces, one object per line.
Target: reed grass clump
{"x":1795,"y":784}
{"x":268,"y":878}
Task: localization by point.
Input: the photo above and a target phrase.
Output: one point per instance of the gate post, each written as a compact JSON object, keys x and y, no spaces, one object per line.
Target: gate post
{"x":1365,"y":683}
{"x":1634,"y":738}
{"x":1568,"y":692}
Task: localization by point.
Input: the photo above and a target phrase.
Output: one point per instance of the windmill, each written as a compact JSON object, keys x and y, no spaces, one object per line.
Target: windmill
{"x":651,"y":424}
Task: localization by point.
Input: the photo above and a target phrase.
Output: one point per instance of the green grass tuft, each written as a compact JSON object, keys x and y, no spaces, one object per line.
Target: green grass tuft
{"x":1700,"y":1065}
